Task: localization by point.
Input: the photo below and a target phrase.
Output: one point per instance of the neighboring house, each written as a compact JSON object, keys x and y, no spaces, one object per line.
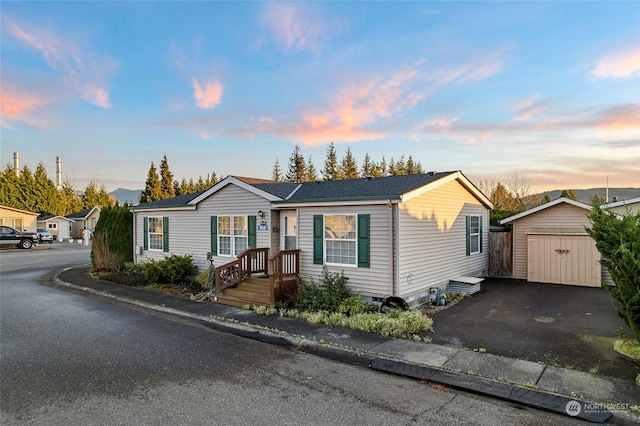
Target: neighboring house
{"x":59,"y":226}
{"x":551,"y":245}
{"x":84,"y":220}
{"x":392,"y":236}
{"x":621,"y":207}
{"x":21,"y":220}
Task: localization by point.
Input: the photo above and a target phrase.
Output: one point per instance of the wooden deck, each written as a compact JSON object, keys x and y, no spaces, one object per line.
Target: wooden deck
{"x":244,"y":281}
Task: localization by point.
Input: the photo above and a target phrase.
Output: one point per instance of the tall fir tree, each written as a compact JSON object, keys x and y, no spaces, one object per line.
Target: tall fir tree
{"x":48,"y":201}
{"x":368,"y":166}
{"x":331,"y":170}
{"x":71,"y":201}
{"x":166,"y":180}
{"x":312,"y":173}
{"x":381,"y":168}
{"x":297,"y":168}
{"x":349,"y":166}
{"x":276,"y":173}
{"x":152,"y":190}
{"x":96,"y":197}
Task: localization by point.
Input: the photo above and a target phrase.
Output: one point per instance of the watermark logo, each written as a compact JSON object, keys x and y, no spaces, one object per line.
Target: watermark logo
{"x":573,"y":408}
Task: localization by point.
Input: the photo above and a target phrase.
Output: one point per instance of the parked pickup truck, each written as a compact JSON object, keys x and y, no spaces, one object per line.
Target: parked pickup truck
{"x":25,"y":240}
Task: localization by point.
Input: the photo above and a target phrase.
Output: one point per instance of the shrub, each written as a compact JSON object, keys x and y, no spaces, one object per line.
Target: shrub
{"x":618,"y":241}
{"x":354,"y":305}
{"x":170,"y":270}
{"x":102,"y":257}
{"x":207,"y":278}
{"x":116,"y":227}
{"x":326,"y":295}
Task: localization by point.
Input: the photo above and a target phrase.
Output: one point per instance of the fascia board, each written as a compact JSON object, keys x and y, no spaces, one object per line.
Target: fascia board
{"x":545,"y":206}
{"x":232,"y":180}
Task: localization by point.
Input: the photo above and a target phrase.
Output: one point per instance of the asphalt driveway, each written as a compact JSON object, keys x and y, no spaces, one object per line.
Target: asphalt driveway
{"x":566,"y":326}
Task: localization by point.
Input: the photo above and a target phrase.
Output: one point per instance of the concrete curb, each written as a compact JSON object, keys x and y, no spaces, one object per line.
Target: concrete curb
{"x":535,"y":398}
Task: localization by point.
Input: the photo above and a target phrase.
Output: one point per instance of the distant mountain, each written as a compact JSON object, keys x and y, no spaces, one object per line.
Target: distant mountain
{"x":122,"y":195}
{"x":584,"y":195}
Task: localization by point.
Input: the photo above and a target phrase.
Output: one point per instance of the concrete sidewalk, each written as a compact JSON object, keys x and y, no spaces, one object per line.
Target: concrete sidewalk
{"x":582,"y":395}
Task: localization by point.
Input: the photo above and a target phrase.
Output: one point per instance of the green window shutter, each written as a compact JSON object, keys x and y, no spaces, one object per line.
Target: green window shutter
{"x":251,"y":232}
{"x":165,"y":234}
{"x":145,"y":232}
{"x":363,"y":240}
{"x":214,"y":235}
{"x":480,"y":229}
{"x":318,"y":239}
{"x":468,"y":218}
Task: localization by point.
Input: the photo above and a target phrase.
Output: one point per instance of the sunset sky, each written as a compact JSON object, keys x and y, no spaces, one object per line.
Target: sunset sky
{"x":548,"y":90}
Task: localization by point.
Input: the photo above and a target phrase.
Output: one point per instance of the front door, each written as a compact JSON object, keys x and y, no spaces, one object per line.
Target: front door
{"x":289,"y":228}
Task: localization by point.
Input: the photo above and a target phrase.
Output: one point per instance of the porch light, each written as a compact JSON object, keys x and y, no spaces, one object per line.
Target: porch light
{"x":260,"y":213}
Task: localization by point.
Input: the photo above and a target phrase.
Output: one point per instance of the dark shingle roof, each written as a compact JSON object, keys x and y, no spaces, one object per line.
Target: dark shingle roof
{"x":178,"y":201}
{"x":279,"y":189}
{"x":383,"y":188}
{"x":79,"y":215}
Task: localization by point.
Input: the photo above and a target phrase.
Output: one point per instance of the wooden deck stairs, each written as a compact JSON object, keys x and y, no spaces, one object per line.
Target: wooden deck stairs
{"x":244,"y":281}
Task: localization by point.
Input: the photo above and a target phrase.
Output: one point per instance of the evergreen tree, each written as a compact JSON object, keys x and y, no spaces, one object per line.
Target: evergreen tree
{"x":392,"y":168}
{"x":152,"y":190}
{"x":368,"y":166}
{"x":413,"y":168}
{"x":331,"y":171}
{"x":312,"y":174}
{"x":349,"y":166}
{"x":96,"y":197}
{"x":618,"y":241}
{"x":166,"y":180}
{"x":401,"y":167}
{"x":381,"y":168}
{"x":276,"y":173}
{"x":48,"y":200}
{"x":176,"y":187}
{"x":71,"y":201}
{"x":546,"y":199}
{"x":503,"y":199}
{"x":570,"y":194}
{"x":297,"y":168}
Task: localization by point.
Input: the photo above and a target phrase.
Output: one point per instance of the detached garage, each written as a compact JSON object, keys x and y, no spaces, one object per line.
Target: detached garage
{"x":550,"y":245}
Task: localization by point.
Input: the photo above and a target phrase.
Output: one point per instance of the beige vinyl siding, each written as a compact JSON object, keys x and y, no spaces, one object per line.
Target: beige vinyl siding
{"x":559,"y":216}
{"x":19,"y":219}
{"x":432,"y":239}
{"x":373,"y":281}
{"x":626,"y":208}
{"x":190,"y":230}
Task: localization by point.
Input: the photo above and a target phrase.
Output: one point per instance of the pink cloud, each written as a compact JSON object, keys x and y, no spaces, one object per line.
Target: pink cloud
{"x":619,"y":65}
{"x":82,"y":72}
{"x":209,"y":96}
{"x":16,"y":106}
{"x":529,"y":109}
{"x":293,"y":25}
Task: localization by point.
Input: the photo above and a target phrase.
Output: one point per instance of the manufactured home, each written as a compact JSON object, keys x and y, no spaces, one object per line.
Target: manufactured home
{"x":398,"y":236}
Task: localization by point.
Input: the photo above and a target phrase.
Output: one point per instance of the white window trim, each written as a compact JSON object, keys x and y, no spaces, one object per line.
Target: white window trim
{"x":149,"y":233}
{"x":471,"y":234}
{"x":325,"y":245}
{"x":232,"y":236}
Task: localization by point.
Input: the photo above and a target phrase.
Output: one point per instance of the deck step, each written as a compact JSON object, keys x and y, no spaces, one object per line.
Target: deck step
{"x":247,"y":295}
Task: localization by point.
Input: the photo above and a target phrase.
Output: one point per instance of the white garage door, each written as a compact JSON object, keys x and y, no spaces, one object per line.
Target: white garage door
{"x":563,"y":259}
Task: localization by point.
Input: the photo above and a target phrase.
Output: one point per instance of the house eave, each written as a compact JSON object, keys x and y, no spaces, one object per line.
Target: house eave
{"x":164,"y":209}
{"x":352,"y":201}
{"x":546,"y":206}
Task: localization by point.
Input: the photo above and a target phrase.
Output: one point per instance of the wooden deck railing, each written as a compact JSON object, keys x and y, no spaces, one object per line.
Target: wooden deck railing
{"x":282,"y":263}
{"x":249,"y":262}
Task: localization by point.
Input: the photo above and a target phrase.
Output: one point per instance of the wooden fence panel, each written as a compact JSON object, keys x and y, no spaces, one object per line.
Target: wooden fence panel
{"x":500,"y":254}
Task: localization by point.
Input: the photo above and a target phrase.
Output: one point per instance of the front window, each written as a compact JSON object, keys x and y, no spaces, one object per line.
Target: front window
{"x":474,"y":234}
{"x":340,"y":239}
{"x":233,"y":235}
{"x":240,"y":234}
{"x":155,"y":233}
{"x":53,"y":225}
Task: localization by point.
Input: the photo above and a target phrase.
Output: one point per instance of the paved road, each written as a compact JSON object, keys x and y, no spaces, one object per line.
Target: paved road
{"x":70,"y":359}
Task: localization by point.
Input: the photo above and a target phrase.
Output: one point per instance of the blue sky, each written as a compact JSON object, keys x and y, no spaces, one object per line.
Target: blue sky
{"x":546,"y":90}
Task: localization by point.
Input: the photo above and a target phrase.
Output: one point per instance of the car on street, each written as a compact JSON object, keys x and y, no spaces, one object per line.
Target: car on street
{"x":45,"y":236}
{"x":25,"y":240}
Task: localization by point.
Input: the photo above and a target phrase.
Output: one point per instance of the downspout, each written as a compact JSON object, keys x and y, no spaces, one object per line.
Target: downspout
{"x":392,"y":249}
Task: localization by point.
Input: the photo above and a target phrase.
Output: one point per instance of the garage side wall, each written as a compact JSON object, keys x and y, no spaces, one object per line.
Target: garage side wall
{"x":559,"y":216}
